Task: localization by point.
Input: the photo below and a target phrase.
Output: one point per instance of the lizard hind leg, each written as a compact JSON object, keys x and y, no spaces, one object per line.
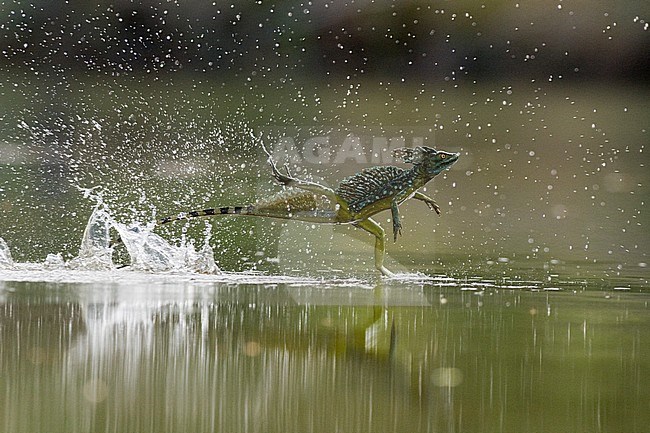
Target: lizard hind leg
{"x":290,"y":181}
{"x":305,"y":185}
{"x":375,"y":229}
{"x":278,"y":176}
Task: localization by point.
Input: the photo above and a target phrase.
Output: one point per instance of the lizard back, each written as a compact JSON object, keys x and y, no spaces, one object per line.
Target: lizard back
{"x":371,"y":185}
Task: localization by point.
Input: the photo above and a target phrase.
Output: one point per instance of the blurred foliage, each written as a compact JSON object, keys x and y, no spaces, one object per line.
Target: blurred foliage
{"x":398,"y":40}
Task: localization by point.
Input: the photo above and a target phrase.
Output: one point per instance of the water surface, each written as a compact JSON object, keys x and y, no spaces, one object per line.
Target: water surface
{"x":130,"y":351}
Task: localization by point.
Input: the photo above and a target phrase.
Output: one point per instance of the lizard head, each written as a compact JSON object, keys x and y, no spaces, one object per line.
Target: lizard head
{"x":432,"y":160}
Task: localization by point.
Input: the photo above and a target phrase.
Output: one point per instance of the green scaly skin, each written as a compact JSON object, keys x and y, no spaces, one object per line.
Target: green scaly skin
{"x":354,"y":201}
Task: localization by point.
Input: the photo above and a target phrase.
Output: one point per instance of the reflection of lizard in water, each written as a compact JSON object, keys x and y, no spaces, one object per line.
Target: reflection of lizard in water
{"x":354,"y":201}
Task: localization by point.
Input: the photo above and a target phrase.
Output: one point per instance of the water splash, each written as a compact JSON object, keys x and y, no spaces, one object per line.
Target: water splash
{"x":95,"y":252}
{"x":5,"y":255}
{"x":150,"y":252}
{"x":54,"y":261}
{"x":147,"y":251}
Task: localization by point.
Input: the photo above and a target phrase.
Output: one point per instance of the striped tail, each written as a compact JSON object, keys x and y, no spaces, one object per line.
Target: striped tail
{"x":227,"y":210}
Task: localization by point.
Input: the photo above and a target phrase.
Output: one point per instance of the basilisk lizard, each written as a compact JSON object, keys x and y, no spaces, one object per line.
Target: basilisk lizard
{"x":354,"y":201}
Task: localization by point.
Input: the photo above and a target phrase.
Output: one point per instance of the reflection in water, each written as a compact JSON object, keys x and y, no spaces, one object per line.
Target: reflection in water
{"x":297,"y":358}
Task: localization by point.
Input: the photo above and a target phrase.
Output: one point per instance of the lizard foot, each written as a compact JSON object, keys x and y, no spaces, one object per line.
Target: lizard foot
{"x":433,"y":206}
{"x":385,"y":272}
{"x":281,"y":178}
{"x":397,"y":229}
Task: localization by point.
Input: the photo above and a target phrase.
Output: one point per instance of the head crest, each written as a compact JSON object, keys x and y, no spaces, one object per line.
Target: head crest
{"x":410,"y":155}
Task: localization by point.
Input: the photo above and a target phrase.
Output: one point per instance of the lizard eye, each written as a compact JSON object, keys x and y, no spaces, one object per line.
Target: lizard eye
{"x":443,"y":156}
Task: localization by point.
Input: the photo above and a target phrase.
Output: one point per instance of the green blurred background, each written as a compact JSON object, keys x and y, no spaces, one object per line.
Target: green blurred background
{"x":157,"y":102}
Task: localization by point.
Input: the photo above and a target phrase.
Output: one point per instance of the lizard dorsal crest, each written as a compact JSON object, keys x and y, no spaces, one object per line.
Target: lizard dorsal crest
{"x":368,"y":186}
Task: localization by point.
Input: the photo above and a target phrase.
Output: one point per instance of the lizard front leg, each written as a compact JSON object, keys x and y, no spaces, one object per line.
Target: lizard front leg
{"x":428,"y":200}
{"x":397,"y":223}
